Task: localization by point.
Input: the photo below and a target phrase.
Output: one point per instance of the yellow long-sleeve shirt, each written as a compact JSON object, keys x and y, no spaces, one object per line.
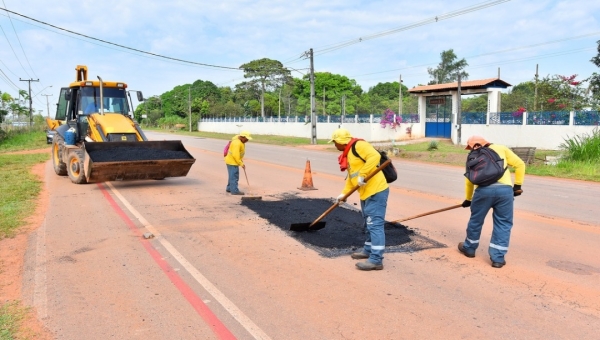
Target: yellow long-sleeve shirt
{"x":358,"y":168}
{"x":511,"y":160}
{"x":236,"y":153}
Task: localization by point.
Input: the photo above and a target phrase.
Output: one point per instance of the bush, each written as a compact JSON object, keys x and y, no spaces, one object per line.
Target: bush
{"x":583,"y":148}
{"x":433,"y":145}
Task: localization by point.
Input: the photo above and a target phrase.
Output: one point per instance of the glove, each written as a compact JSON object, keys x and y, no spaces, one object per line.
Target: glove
{"x":340,"y":199}
{"x":466,"y":204}
{"x":517,"y":190}
{"x":361,"y":181}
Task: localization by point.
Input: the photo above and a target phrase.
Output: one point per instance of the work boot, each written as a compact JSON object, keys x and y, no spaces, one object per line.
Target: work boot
{"x":359,"y":255}
{"x":366,"y":265}
{"x":462,"y":249}
{"x":498,"y":264}
{"x":237,"y":193}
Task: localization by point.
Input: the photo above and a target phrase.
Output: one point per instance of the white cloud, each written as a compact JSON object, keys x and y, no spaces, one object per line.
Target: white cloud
{"x":230,"y":33}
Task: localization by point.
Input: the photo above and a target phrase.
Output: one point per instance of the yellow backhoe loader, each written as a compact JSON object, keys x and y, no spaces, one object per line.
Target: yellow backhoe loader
{"x":96,"y":140}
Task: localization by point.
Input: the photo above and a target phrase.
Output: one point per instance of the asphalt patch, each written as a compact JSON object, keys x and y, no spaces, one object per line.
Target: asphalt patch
{"x":344,"y":232}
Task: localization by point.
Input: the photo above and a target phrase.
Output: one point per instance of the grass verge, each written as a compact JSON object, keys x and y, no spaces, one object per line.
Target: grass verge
{"x":19,"y":188}
{"x":12,"y":315}
{"x":263,"y":139}
{"x":24,"y":141}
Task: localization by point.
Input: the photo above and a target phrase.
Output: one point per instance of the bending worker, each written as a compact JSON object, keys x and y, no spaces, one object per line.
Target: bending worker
{"x":498,"y":196}
{"x":234,"y":160}
{"x":373,"y":194}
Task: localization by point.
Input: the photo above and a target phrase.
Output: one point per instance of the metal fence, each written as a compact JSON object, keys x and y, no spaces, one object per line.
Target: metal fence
{"x":500,"y":118}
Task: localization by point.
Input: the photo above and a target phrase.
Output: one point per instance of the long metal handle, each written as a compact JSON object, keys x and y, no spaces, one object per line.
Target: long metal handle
{"x":379,"y":168}
{"x":246,"y":177}
{"x":428,"y":213}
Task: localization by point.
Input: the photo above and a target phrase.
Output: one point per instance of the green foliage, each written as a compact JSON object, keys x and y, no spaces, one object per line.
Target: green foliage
{"x":22,"y":139}
{"x":476,"y":103}
{"x":583,"y":148}
{"x":433,"y":145}
{"x":19,"y":188}
{"x":267,"y":74}
{"x":11,"y":316}
{"x":448,"y":69}
{"x":329,"y":90}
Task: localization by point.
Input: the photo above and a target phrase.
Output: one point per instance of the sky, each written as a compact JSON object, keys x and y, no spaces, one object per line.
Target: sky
{"x":368,"y":41}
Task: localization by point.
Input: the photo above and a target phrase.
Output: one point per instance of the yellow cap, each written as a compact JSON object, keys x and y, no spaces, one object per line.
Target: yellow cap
{"x":246,"y":134}
{"x":476,"y":140}
{"x":341,"y":136}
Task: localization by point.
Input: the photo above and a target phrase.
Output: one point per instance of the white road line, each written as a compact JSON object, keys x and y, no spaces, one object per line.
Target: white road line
{"x":235,"y":312}
{"x":40,"y":298}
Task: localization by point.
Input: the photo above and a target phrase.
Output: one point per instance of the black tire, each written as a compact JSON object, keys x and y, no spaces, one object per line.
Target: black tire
{"x":75,"y":167}
{"x":60,"y":168}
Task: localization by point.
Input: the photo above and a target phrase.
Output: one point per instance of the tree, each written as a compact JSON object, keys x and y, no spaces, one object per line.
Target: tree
{"x":594,"y":80}
{"x":5,"y":100}
{"x":334,"y":87}
{"x":267,"y":73}
{"x":448,"y":69}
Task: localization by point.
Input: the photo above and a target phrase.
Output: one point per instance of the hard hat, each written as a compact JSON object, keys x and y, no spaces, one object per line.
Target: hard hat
{"x":246,"y":134}
{"x":341,"y":136}
{"x":475,"y":140}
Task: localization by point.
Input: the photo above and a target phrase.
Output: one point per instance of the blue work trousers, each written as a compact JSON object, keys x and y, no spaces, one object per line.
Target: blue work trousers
{"x":373,"y":211}
{"x":233,"y":172}
{"x":500,"y":198}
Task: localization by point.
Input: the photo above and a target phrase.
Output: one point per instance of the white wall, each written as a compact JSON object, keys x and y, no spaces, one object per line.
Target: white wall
{"x":547,"y":137}
{"x":372,"y":132}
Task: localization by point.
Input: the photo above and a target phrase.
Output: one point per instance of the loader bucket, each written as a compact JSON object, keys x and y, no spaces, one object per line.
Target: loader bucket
{"x":114,"y":161}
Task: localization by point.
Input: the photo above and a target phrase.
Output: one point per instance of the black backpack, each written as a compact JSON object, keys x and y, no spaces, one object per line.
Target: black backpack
{"x":389,"y":172}
{"x":484,"y":166}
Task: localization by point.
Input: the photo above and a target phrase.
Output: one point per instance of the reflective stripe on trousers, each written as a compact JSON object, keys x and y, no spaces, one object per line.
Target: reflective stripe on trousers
{"x":500,"y":198}
{"x":373,"y":211}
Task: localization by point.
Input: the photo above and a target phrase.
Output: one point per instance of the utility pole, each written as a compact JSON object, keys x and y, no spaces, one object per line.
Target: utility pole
{"x":190,"y":105}
{"x":47,"y":104}
{"x":313,"y":113}
{"x":324,"y":101}
{"x":535,"y":93}
{"x":343,"y":108}
{"x":458,"y":113}
{"x":400,"y":97}
{"x":30,"y":100}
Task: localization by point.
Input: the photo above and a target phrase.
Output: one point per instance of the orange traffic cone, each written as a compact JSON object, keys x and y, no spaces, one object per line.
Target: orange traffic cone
{"x":307,"y":183}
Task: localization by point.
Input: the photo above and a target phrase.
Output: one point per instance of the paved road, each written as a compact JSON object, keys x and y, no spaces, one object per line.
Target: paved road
{"x":550,"y":197}
{"x":214,"y":269}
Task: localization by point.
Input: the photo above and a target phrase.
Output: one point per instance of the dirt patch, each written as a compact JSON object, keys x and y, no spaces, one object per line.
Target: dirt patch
{"x":12,"y":254}
{"x":344,"y":232}
{"x":435,"y":157}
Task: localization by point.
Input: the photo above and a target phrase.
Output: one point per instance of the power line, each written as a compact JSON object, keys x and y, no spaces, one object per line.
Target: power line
{"x":121,"y":46}
{"x":435,"y":19}
{"x":13,"y":50}
{"x":498,"y":52}
{"x":19,"y":40}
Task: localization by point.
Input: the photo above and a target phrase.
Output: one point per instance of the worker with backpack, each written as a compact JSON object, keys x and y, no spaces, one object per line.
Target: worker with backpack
{"x":488,"y":185}
{"x":359,"y":159}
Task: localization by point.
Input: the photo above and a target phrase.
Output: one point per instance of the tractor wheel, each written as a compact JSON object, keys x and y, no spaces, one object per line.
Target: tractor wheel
{"x":60,"y":168}
{"x":75,"y":168}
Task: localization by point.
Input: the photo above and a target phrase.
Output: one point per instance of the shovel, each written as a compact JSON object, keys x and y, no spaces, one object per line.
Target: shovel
{"x":316,"y":225}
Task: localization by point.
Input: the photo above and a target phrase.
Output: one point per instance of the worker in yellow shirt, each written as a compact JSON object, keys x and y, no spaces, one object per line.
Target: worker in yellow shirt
{"x":498,"y":196}
{"x":234,"y":159}
{"x":373,"y":194}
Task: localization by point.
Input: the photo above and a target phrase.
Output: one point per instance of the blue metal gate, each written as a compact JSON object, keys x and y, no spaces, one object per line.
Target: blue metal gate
{"x":438,"y":116}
